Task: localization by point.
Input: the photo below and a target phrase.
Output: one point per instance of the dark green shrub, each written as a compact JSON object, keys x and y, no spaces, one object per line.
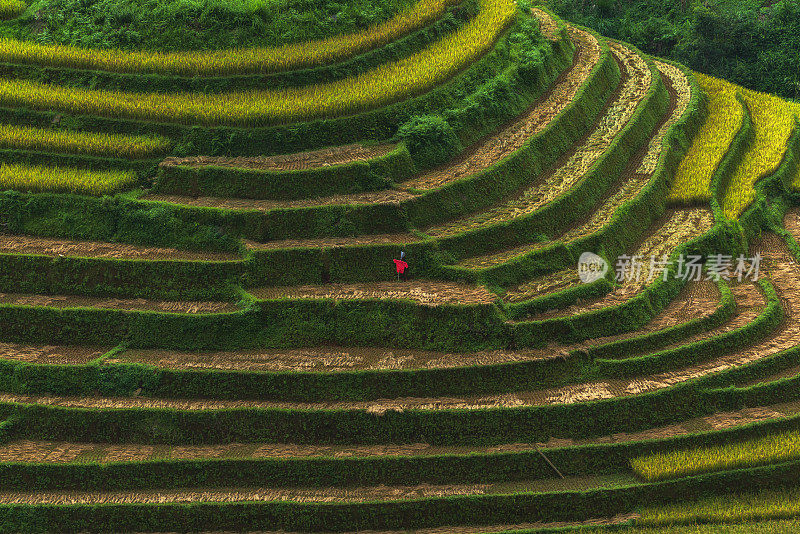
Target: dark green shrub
{"x":430,"y":140}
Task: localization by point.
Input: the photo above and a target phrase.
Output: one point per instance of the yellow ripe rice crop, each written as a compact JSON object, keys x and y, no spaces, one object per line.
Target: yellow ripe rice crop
{"x":387,"y":83}
{"x":64,"y":179}
{"x":769,"y":449}
{"x":773,"y":123}
{"x":693,"y":178}
{"x":728,"y":508}
{"x":95,"y":144}
{"x":10,"y":9}
{"x":232,"y":61}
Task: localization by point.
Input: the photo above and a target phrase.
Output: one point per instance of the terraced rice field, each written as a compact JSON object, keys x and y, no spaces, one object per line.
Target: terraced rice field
{"x":675,"y":228}
{"x":188,"y":359}
{"x":630,"y":187}
{"x":637,"y":79}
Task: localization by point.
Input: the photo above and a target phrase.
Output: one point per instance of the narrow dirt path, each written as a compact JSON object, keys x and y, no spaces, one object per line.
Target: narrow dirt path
{"x":288,"y":162}
{"x":48,"y":246}
{"x":632,"y":184}
{"x":428,"y":293}
{"x":78,"y":301}
{"x":636,"y":82}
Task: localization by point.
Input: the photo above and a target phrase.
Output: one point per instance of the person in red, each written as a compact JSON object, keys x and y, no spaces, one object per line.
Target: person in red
{"x":401,"y":267}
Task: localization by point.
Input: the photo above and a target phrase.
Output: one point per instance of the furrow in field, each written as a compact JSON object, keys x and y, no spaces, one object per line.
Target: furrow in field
{"x":634,"y":87}
{"x":428,"y":293}
{"x":48,"y":246}
{"x":676,"y":227}
{"x":79,"y":301}
{"x":680,"y":92}
{"x":287,"y":162}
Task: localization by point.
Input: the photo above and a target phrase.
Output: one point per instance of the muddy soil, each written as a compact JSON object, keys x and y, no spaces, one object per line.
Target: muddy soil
{"x":288,"y":162}
{"x":26,"y":244}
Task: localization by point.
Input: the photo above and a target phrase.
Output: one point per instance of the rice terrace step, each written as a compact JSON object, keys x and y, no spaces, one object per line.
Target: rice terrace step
{"x":446,"y":267}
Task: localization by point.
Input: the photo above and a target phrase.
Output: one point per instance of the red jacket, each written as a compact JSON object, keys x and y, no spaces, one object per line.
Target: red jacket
{"x":400,"y":265}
